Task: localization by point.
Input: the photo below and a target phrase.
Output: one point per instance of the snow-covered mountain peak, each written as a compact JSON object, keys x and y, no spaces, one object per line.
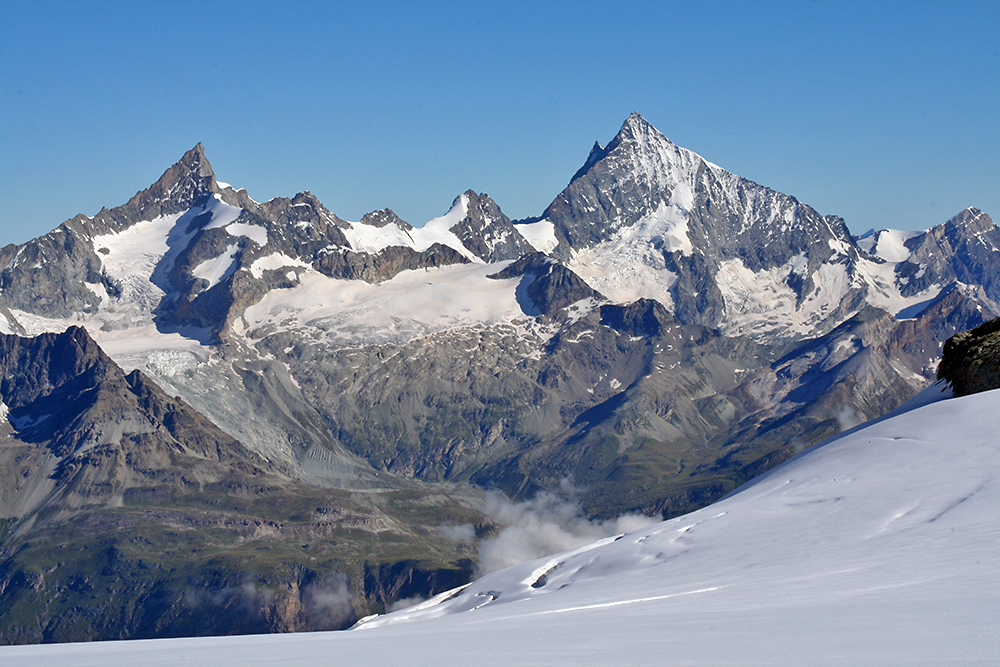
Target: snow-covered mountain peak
{"x":474,"y":227}
{"x":651,"y":156}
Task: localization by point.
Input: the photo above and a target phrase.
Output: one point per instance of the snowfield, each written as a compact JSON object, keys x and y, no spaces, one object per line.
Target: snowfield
{"x":878,"y":547}
{"x":412,"y":304}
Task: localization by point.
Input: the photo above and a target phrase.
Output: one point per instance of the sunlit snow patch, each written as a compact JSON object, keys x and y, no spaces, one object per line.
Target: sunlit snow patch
{"x":218,"y":268}
{"x":540,"y":235}
{"x":412,"y":304}
{"x":372,"y":239}
{"x":273,"y":262}
{"x":760,"y":303}
{"x":888,"y":244}
{"x":255,"y":233}
{"x":631,"y":266}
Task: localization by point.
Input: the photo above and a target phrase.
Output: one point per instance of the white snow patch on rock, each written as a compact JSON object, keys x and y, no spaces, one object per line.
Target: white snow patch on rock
{"x":372,"y":239}
{"x":438,"y":230}
{"x":222,"y":213}
{"x":135,"y":252}
{"x":540,"y":235}
{"x":255,"y":233}
{"x":218,"y":268}
{"x":98,"y":290}
{"x":273,"y":262}
{"x":888,"y":244}
{"x":885,"y":292}
{"x":682,"y":197}
{"x":630,"y":266}
{"x":762,"y":303}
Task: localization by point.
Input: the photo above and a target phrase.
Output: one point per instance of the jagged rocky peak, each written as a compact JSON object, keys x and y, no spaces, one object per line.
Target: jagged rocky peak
{"x":640,"y":134}
{"x":101,"y":431}
{"x":647,"y":218}
{"x":485,"y":231}
{"x":965,"y":248}
{"x":303,"y":209}
{"x":637,"y":173}
{"x":595,"y":154}
{"x":971,"y":220}
{"x":384,"y":217}
{"x":33,"y":366}
{"x":189,"y":182}
{"x":970,"y":225}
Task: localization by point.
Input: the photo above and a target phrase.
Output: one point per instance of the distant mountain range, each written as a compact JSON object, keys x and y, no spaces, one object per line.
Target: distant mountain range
{"x":236,"y":405}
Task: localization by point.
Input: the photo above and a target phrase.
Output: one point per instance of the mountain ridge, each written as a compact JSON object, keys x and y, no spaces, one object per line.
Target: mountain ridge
{"x":665,"y":331}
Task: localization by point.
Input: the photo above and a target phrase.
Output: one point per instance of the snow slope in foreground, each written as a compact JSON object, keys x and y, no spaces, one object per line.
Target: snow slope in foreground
{"x":881,"y":547}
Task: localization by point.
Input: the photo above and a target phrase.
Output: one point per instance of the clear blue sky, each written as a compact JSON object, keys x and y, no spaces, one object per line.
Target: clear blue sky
{"x":887,"y":114}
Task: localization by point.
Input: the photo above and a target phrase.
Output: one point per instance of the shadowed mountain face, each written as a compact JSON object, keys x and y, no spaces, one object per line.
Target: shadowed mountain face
{"x":84,"y":432}
{"x":125,"y":513}
{"x":342,"y":390}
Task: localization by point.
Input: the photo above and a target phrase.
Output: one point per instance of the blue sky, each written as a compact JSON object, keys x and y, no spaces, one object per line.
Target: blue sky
{"x":887,"y":114}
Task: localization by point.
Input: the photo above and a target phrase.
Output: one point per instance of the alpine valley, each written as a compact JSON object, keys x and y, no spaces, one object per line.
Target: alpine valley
{"x":222,"y":416}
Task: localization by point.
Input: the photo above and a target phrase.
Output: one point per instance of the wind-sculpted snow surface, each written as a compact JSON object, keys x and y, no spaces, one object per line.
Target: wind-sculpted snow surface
{"x":878,"y":547}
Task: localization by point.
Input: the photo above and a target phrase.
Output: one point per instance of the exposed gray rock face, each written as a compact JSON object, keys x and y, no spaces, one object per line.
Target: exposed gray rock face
{"x":488,"y":233}
{"x":644,"y":317}
{"x":966,"y":248}
{"x":971,"y":361}
{"x":351,"y":265}
{"x":184,"y":185}
{"x":642,"y":178}
{"x":49,"y":275}
{"x":73,"y":412}
{"x":112,"y":491}
{"x":547,"y":286}
{"x":299,"y":222}
{"x":917,"y":343}
{"x":384,"y":217}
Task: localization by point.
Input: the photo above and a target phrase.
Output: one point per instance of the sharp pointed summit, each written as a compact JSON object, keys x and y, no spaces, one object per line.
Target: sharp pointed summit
{"x":630,"y":178}
{"x":187,"y":181}
{"x":635,"y":123}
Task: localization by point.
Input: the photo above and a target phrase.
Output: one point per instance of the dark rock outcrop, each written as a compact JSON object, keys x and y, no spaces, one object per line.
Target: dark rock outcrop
{"x":383,"y":217}
{"x":971,"y":359}
{"x":487,"y":232}
{"x":644,"y":317}
{"x":547,"y":286}
{"x":350,"y":265}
